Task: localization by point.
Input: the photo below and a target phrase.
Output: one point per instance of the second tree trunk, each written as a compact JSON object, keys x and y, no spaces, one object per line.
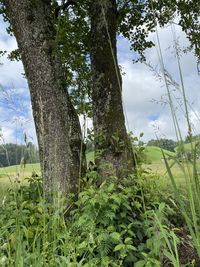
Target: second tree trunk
{"x":113,"y":151}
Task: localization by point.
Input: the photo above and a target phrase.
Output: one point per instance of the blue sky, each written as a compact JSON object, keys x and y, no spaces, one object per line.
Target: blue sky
{"x":15,"y":107}
{"x":144,"y":97}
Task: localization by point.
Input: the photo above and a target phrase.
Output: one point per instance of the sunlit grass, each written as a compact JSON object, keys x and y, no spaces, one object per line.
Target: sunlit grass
{"x":154,"y":153}
{"x":18,"y":173}
{"x":12,"y":175}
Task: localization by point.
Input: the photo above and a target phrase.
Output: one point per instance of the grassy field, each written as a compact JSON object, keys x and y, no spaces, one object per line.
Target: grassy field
{"x":157,"y":165}
{"x":189,"y":146}
{"x":159,"y":168}
{"x":10,"y":175}
{"x":154,"y":153}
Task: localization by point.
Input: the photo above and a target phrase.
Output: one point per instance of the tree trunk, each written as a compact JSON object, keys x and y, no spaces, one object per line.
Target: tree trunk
{"x":57,"y":124}
{"x":111,"y":139}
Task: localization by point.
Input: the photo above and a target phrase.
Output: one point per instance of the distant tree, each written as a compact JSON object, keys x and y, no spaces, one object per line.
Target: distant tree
{"x":167,"y":144}
{"x":13,"y":154}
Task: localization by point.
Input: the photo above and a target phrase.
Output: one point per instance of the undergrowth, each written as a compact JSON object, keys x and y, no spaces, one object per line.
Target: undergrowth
{"x":117,"y":224}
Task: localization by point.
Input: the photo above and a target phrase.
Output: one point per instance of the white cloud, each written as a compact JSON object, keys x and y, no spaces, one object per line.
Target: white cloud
{"x":14,"y":128}
{"x":10,"y":71}
{"x":15,"y":110}
{"x":7,"y":135}
{"x":140,"y":87}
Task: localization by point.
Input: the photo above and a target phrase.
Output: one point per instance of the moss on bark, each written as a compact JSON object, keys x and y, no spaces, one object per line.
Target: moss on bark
{"x":109,"y":124}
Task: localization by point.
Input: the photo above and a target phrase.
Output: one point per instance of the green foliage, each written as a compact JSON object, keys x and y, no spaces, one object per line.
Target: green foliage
{"x":14,"y":55}
{"x":110,"y":225}
{"x":192,"y":138}
{"x":72,"y":41}
{"x":186,"y":151}
{"x":189,"y":202}
{"x":188,"y":17}
{"x":147,"y":14}
{"x":131,"y":26}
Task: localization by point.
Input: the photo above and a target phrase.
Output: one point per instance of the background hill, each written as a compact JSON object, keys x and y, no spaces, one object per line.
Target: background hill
{"x":154,"y":153}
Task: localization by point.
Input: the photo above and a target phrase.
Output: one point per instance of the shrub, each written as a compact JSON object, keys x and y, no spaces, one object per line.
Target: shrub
{"x":110,"y":225}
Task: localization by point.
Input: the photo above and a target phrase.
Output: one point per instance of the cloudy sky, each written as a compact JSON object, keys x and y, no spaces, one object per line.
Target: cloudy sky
{"x":144,"y":95}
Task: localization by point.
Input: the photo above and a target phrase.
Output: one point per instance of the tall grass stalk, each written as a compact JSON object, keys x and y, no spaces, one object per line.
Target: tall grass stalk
{"x":189,"y":200}
{"x":172,"y":253}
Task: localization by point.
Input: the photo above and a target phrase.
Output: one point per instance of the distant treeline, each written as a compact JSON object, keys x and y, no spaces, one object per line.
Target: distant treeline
{"x":13,"y":154}
{"x":163,"y":143}
{"x":171,"y":145}
{"x":194,"y":138}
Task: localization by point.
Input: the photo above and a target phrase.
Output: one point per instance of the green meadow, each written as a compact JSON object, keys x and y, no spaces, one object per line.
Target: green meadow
{"x":154,"y":153}
{"x":12,"y":175}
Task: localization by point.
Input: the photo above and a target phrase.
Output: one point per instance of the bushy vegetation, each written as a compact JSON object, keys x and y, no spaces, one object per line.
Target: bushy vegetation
{"x":138,"y":221}
{"x":126,"y":223}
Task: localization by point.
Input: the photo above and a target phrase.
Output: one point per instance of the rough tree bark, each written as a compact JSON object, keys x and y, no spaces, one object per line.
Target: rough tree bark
{"x":57,"y":124}
{"x":111,"y":137}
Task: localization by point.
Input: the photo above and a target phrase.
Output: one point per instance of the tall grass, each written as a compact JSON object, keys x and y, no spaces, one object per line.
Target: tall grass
{"x":189,"y":201}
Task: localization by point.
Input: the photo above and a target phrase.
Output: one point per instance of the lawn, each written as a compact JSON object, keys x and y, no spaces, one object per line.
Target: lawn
{"x":157,"y":165}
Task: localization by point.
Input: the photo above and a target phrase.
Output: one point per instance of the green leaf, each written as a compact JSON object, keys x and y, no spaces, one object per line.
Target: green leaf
{"x":130,"y":247}
{"x":40,"y":210}
{"x":111,"y":187}
{"x":28,"y":233}
{"x":140,"y":263}
{"x":82,"y":245}
{"x":116,"y":236}
{"x":32,"y":219}
{"x":128,"y":240}
{"x":119,"y":247}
